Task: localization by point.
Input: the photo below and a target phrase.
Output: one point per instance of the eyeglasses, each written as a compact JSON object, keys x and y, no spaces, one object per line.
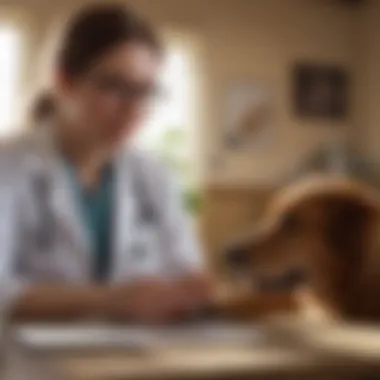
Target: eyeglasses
{"x":124,"y":90}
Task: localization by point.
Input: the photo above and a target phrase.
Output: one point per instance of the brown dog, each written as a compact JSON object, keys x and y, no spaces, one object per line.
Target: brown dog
{"x":329,"y":228}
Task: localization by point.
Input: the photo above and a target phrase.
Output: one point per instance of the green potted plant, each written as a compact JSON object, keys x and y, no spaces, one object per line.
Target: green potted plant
{"x":172,"y":147}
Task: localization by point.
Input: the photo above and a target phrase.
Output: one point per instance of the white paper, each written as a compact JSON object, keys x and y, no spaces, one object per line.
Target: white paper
{"x":56,"y":337}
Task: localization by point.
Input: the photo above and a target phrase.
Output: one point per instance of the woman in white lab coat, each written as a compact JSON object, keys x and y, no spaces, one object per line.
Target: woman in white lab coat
{"x":90,"y":227}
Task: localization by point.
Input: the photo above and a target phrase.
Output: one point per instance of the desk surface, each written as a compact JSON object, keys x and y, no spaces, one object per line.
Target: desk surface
{"x":287,"y":351}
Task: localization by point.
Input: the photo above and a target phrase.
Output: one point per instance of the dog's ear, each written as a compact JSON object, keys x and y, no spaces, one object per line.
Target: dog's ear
{"x":347,"y":225}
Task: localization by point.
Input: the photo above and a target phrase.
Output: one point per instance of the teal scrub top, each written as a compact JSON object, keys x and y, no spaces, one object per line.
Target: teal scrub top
{"x":96,"y":207}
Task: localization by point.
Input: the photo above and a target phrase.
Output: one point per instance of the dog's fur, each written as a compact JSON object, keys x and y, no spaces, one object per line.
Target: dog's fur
{"x":328,"y":227}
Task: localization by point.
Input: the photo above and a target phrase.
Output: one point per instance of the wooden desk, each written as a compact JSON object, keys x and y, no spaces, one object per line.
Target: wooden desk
{"x":293,"y":352}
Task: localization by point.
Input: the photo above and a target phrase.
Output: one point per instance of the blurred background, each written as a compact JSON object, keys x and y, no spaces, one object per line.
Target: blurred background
{"x":258,"y":92}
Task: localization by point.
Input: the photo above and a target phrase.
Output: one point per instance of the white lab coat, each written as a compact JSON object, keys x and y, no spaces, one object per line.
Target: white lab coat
{"x":43,"y":239}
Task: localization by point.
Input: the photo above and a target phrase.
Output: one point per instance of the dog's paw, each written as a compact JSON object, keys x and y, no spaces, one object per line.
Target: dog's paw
{"x":314,"y":310}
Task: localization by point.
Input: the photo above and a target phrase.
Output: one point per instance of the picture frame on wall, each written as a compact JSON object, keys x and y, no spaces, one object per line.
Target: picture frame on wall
{"x":320,"y":91}
{"x":248,"y":116}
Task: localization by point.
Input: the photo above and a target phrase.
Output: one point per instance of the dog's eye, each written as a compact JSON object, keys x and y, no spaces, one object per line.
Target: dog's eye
{"x":291,"y":224}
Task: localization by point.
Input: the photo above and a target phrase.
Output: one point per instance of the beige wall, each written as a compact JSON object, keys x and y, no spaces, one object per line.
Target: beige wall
{"x":254,"y":40}
{"x":368,"y":94}
{"x":263,"y":49}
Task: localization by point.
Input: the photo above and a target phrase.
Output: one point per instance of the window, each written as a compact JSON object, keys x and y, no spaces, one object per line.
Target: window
{"x":169,"y":130}
{"x":9,"y":76}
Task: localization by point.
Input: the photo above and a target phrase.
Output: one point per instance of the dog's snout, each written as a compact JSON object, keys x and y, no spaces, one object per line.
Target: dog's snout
{"x":237,"y":256}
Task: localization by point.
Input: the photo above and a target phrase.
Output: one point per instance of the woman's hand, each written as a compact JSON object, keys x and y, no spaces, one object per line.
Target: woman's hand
{"x":149,"y":301}
{"x":60,"y":302}
{"x":197,"y":293}
{"x":155,"y":300}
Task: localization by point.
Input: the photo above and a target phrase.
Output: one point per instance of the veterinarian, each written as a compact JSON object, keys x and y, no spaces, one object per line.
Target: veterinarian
{"x":89,"y":226}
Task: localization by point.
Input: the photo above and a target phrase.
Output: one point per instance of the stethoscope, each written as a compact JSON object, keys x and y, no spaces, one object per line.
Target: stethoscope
{"x":146,"y":215}
{"x":45,"y":234}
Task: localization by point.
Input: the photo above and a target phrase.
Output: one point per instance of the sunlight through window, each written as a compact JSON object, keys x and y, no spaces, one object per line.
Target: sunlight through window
{"x":167,"y":132}
{"x":9,"y":72}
